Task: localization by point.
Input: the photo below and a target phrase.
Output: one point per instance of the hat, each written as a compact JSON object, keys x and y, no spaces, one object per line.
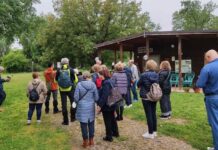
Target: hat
{"x":64,"y":61}
{"x":1,"y":69}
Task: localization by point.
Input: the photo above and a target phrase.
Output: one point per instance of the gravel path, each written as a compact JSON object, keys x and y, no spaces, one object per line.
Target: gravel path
{"x":130,"y":137}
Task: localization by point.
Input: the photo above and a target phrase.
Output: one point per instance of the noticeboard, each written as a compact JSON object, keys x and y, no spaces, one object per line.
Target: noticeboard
{"x":186,"y":66}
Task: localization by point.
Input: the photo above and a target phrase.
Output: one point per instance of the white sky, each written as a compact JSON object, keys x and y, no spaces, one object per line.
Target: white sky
{"x":160,"y":10}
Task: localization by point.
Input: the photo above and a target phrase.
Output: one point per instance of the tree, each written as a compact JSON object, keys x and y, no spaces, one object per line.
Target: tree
{"x":82,"y":24}
{"x":194,"y":16}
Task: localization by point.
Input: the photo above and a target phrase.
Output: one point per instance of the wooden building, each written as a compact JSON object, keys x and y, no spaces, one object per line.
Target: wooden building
{"x":165,"y":45}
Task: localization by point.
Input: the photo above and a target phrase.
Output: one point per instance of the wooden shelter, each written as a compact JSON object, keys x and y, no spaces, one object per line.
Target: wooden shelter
{"x":165,"y":45}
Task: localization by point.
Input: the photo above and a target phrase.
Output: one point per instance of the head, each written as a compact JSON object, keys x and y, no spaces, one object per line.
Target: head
{"x":50,"y":64}
{"x":64,"y":61}
{"x":165,"y":65}
{"x":86,"y":75}
{"x":119,"y":66}
{"x":105,"y":73}
{"x":96,"y":68}
{"x":131,"y":62}
{"x":1,"y":69}
{"x":98,"y":61}
{"x":151,"y":65}
{"x":35,"y":75}
{"x":210,"y":56}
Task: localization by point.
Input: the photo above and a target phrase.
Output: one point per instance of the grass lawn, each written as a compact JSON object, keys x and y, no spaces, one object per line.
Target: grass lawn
{"x":189,"y":120}
{"x":16,"y":135}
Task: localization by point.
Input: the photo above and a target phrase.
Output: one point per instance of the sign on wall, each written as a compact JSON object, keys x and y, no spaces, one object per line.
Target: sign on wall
{"x":186,"y":66}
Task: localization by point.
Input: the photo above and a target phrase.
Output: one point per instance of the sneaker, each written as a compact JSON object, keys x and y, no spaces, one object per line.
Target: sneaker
{"x":155,"y":134}
{"x":148,"y":136}
{"x":108,"y":139}
{"x":65,"y":123}
{"x":130,"y":106}
{"x":28,"y":122}
{"x":58,"y":111}
{"x":38,"y":121}
{"x":165,"y":117}
{"x":210,"y":148}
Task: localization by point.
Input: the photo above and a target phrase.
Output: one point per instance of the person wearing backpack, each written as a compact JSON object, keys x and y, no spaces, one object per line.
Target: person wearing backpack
{"x":145,"y":82}
{"x":164,"y":81}
{"x":65,"y":77}
{"x":86,"y":95}
{"x":2,"y":92}
{"x":108,"y":112}
{"x":36,"y":92}
{"x":52,"y":88}
{"x":119,"y":77}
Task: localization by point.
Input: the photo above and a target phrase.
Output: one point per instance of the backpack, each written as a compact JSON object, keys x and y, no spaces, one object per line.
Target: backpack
{"x":98,"y":82}
{"x":114,"y":96}
{"x":64,"y":80}
{"x":2,"y":96}
{"x":155,"y":93}
{"x":33,"y":94}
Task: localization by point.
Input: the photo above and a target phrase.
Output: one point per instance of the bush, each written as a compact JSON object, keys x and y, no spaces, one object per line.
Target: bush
{"x":15,"y":61}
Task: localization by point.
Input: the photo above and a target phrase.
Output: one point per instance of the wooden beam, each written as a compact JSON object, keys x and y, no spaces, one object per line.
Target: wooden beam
{"x":121,"y":52}
{"x":180,"y":61}
{"x":130,"y":54}
{"x":115,"y":56}
{"x":147,"y":47}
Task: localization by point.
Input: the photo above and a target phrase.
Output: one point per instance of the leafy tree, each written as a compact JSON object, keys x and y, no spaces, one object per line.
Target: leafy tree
{"x":82,"y":24}
{"x":15,"y":61}
{"x":194,"y":16}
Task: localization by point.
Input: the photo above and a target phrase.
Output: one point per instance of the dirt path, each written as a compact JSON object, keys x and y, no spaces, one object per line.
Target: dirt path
{"x":130,"y":137}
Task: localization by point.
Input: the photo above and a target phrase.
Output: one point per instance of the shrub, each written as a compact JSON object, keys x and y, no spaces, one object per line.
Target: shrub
{"x":15,"y":61}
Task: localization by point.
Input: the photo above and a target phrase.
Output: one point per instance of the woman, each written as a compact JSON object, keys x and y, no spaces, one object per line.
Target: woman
{"x":36,"y":99}
{"x":146,"y":80}
{"x":120,"y":79}
{"x":85,"y":96}
{"x":164,"y":81}
{"x":108,"y":112}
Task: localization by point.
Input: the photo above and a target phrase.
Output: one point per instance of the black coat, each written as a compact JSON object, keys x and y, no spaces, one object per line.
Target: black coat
{"x":104,"y":92}
{"x":164,"y":81}
{"x":145,"y":82}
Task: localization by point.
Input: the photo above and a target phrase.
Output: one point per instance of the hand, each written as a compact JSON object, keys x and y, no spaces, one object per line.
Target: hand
{"x":98,"y":109}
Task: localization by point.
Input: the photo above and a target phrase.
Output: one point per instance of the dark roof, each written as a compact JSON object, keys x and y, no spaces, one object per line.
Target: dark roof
{"x":158,"y":34}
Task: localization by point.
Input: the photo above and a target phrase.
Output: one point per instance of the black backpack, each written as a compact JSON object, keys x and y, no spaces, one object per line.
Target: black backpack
{"x":33,"y":94}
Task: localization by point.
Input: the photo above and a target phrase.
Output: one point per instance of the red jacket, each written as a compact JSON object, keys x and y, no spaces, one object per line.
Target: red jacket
{"x":49,"y":75}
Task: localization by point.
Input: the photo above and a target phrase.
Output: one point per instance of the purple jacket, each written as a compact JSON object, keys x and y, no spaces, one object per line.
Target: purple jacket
{"x":120,"y":80}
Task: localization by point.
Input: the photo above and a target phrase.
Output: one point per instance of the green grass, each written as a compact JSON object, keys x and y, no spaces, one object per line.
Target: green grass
{"x":15,"y":134}
{"x":185,"y":106}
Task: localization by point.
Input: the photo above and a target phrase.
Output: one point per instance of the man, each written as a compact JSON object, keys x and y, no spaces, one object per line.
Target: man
{"x":208,"y":80}
{"x":135,"y":76}
{"x":66,"y":77}
{"x":52,"y":87}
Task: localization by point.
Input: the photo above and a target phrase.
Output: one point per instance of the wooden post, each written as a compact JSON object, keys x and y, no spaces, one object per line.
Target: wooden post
{"x":180,"y":61}
{"x":121,"y":52}
{"x":147,"y":47}
{"x":115,"y":56}
{"x":130,"y":54}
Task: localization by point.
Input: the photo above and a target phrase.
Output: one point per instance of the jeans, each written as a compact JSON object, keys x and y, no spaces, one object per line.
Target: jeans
{"x":38,"y":111}
{"x":64,"y":96}
{"x":134,"y":91}
{"x":150,"y":112}
{"x":128,"y":98}
{"x":110,"y":124}
{"x":212,"y":113}
{"x":165,"y":105}
{"x":88,"y":129}
{"x":55,"y":100}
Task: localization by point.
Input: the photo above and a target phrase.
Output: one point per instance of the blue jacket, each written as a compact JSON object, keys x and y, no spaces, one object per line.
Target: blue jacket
{"x":1,"y":83}
{"x":145,"y":82}
{"x":104,"y":92}
{"x":164,"y":81}
{"x":86,"y":101}
{"x":208,"y":79}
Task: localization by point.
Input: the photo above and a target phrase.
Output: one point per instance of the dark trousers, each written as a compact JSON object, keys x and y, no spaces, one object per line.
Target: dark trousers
{"x":88,"y":129}
{"x":134,"y":91}
{"x":150,"y":112}
{"x":55,"y":100}
{"x":64,"y":96}
{"x":165,"y":105}
{"x":38,"y":111}
{"x":110,"y":124}
{"x":128,"y":97}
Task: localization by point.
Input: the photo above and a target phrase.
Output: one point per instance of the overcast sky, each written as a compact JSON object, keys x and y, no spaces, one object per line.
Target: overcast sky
{"x":160,"y":10}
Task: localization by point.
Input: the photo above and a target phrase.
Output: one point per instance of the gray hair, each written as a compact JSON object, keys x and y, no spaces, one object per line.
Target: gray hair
{"x":64,"y":61}
{"x":86,"y":74}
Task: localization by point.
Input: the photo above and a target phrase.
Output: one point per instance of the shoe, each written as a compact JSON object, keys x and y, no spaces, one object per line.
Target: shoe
{"x":72,"y":120}
{"x":210,"y":148}
{"x":85,"y":143}
{"x":91,"y":142}
{"x":116,"y":135}
{"x":38,"y":121}
{"x":129,"y":106}
{"x":28,"y":122}
{"x":121,"y":118}
{"x":155,"y":134}
{"x":118,"y":118}
{"x":108,"y":139}
{"x":47,"y":112}
{"x":65,"y":123}
{"x":165,"y":117}
{"x":148,"y":136}
{"x":135,"y":100}
{"x":58,"y":111}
